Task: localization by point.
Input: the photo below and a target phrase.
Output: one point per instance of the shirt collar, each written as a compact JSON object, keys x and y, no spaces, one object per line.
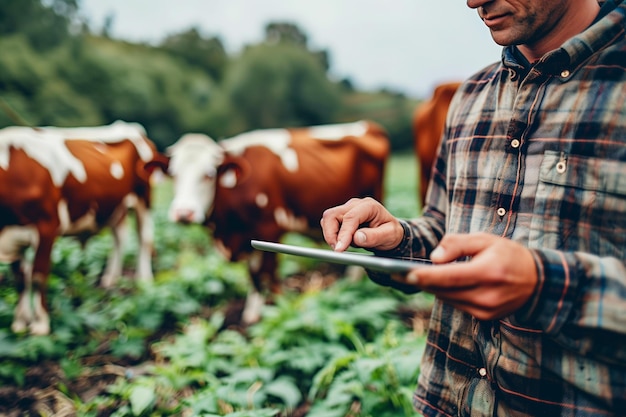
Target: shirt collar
{"x":574,"y":50}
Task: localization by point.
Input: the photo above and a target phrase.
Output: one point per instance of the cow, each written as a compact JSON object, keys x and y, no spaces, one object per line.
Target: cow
{"x":429,"y":119}
{"x":71,"y":182}
{"x":265,"y":183}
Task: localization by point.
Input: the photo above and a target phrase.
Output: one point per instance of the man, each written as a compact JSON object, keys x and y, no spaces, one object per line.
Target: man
{"x":528,"y":197}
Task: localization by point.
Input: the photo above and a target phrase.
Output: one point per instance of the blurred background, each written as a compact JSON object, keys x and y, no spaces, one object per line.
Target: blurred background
{"x":326,"y":347}
{"x":222,"y":67}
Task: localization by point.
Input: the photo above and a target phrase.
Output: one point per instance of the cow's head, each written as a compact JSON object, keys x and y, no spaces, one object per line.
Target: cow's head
{"x":194,"y":162}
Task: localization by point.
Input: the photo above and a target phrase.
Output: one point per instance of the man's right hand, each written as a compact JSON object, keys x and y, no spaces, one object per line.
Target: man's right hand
{"x":363,"y":223}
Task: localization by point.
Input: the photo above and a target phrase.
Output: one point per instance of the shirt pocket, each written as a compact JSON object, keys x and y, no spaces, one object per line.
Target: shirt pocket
{"x":580,"y":205}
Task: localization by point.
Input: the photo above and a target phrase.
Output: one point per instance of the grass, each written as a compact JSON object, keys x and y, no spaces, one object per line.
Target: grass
{"x":401,"y":185}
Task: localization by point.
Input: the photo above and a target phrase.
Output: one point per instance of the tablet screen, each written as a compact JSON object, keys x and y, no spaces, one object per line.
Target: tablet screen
{"x":369,"y":261}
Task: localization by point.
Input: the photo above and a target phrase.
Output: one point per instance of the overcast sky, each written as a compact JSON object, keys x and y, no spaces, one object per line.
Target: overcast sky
{"x":406,"y":45}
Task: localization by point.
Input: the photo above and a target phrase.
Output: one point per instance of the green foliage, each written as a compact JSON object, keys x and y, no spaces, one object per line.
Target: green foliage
{"x":276,"y":32}
{"x":44,"y":24}
{"x":54,"y":71}
{"x":401,"y":189}
{"x":274,"y":85}
{"x":392,"y":110}
{"x":207,"y":54}
{"x":323,"y":351}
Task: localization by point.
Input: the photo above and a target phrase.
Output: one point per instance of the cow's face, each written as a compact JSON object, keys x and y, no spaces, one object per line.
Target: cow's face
{"x":194,"y":162}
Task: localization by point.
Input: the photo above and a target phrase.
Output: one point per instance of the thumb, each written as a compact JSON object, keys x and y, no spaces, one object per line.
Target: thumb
{"x":381,"y":237}
{"x":456,"y":246}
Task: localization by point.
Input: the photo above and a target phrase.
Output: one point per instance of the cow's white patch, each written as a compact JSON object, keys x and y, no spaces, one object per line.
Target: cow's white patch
{"x":254,"y":261}
{"x":131,"y":200}
{"x":252,"y":310}
{"x":86,"y":223}
{"x":338,"y":131}
{"x":289,"y":158}
{"x":276,"y":140}
{"x":229,"y":179}
{"x":117,"y":170}
{"x":47,"y":148}
{"x":23,"y":312}
{"x":15,"y":239}
{"x":285,"y":219}
{"x":261,"y":200}
{"x":193,"y":164}
{"x":222,"y":249}
{"x":113,"y":133}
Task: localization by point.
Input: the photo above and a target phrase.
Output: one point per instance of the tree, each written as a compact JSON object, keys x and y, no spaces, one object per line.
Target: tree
{"x":283,"y":32}
{"x":280,"y":85}
{"x":45,"y":25}
{"x":289,"y":33}
{"x":206,"y":53}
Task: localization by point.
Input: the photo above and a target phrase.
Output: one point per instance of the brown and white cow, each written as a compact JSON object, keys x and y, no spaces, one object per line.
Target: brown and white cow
{"x":429,"y":119}
{"x":265,"y":183}
{"x":70,"y":182}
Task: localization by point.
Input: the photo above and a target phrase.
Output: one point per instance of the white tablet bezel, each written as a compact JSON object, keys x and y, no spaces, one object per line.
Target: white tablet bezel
{"x":366,"y":260}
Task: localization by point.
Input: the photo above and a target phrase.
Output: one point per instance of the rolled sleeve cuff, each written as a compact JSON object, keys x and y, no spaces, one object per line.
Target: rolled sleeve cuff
{"x":403,"y":250}
{"x":552,"y":304}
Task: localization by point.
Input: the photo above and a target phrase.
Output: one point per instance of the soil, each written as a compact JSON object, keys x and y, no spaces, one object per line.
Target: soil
{"x":47,"y":392}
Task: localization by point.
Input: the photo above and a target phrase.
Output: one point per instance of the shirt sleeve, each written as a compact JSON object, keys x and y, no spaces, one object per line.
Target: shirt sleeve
{"x":420,"y":238}
{"x":580,"y":302}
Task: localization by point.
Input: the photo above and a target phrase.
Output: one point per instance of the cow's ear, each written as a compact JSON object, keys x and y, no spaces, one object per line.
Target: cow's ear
{"x":233,"y":171}
{"x":159,"y":161}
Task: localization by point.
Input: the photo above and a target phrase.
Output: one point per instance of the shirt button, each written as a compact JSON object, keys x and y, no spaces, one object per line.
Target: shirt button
{"x":565,"y":73}
{"x":501,"y":211}
{"x":482,"y":372}
{"x":515,"y":143}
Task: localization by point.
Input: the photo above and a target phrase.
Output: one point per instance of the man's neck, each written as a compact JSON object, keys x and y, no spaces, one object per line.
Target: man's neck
{"x":577,"y":18}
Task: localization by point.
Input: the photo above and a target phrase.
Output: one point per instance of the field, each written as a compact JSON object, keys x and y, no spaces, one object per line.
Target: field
{"x":329,"y":346}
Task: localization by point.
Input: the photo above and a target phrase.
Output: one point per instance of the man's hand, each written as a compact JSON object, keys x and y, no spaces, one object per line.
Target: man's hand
{"x":499,"y":278}
{"x":363,"y":223}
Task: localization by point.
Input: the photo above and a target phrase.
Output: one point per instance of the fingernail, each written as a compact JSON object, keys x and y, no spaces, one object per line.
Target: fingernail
{"x":338,"y":246}
{"x":437,"y":252}
{"x":360,"y":238}
{"x":412,"y":278}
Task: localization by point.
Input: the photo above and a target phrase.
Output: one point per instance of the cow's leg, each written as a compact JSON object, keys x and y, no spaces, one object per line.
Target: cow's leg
{"x":145,"y":231}
{"x":262,"y":268}
{"x":113,"y":269}
{"x":255,"y":301}
{"x":40,"y":325}
{"x":23,"y":312}
{"x":14,"y":240}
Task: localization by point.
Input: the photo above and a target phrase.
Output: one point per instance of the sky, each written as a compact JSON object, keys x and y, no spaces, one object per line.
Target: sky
{"x":408,"y":46}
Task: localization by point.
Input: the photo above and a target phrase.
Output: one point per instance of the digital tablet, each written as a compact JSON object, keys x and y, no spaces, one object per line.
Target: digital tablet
{"x":366,"y":260}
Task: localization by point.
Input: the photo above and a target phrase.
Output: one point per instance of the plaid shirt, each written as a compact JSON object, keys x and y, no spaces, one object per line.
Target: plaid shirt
{"x":536,"y":155}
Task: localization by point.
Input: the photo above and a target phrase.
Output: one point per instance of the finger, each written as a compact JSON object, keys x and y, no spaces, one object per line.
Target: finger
{"x":457,"y":246}
{"x":448,"y":277}
{"x":382,"y":237}
{"x":484,"y":305}
{"x":338,"y":233}
{"x":330,"y":223}
{"x":345,"y":235}
{"x":457,"y":294}
{"x":357,"y":213}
